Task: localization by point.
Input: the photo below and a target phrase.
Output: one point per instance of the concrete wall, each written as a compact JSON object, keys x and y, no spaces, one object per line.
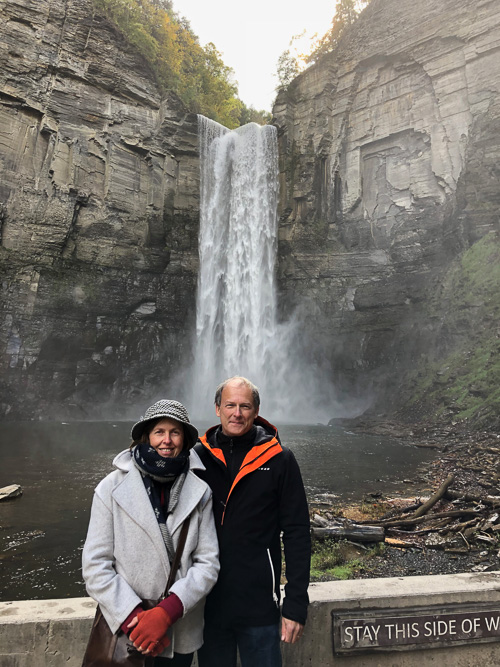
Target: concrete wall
{"x":53,"y":633}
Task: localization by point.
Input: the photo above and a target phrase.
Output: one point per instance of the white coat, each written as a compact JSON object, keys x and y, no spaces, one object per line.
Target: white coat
{"x":125,"y":560}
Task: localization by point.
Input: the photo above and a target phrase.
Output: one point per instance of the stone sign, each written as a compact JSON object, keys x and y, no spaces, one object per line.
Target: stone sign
{"x":415,"y":628}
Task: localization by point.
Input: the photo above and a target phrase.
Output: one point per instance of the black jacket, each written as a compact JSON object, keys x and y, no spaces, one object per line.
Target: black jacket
{"x":260,"y":498}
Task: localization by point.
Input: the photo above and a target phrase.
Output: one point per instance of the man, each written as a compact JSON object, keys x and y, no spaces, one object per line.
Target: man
{"x":258,"y":494}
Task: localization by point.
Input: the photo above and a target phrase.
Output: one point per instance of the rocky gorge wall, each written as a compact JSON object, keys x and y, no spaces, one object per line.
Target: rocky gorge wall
{"x":389,"y":154}
{"x":98,"y":217}
{"x":389,"y":170}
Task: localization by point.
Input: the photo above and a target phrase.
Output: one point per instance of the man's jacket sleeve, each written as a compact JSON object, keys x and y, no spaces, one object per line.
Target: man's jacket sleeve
{"x":294,"y":523}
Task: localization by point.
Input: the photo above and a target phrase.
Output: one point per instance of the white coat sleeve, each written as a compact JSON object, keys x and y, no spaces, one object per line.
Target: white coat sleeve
{"x":200,"y":578}
{"x":113,"y":594}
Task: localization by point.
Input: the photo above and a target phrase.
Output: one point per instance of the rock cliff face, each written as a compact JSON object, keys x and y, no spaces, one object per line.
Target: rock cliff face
{"x":390,"y":149}
{"x":98,"y":216}
{"x":389,"y":155}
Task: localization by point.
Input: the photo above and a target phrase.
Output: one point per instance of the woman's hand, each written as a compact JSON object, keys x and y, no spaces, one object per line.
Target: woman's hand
{"x":133,"y":623}
{"x":149,"y":633}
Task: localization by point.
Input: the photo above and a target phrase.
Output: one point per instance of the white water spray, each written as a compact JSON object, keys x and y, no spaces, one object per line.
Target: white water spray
{"x":237,"y":332}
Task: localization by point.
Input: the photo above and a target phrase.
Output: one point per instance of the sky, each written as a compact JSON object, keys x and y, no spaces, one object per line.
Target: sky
{"x":251,"y":36}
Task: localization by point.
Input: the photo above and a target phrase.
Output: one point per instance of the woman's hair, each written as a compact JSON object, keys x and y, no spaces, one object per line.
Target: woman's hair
{"x":144,"y":439}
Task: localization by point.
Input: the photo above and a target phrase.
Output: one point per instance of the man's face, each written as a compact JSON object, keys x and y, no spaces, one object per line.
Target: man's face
{"x":237,"y":411}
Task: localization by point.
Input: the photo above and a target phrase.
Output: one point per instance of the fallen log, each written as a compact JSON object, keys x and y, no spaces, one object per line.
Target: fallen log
{"x":394,"y":512}
{"x":354,"y":532}
{"x":427,"y":445}
{"x":486,"y":538}
{"x":470,"y":498}
{"x":434,"y":499}
{"x":410,"y":533}
{"x":401,"y":544}
{"x":424,"y":531}
{"x":463,"y":525}
{"x":320,"y":520}
{"x":438,"y":515}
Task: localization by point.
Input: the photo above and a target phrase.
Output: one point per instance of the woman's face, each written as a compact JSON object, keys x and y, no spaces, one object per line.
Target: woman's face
{"x":167,"y":438}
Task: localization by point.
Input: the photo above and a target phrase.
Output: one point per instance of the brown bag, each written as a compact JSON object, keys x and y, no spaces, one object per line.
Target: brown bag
{"x":105,"y":649}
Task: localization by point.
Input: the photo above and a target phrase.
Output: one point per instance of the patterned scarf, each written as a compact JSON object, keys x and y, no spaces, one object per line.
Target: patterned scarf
{"x":162,"y":474}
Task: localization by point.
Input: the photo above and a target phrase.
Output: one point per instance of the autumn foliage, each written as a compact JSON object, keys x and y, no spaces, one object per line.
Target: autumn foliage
{"x":197,"y":74}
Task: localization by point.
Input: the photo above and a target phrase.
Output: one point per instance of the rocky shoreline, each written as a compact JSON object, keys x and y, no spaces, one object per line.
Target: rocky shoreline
{"x":462,"y":531}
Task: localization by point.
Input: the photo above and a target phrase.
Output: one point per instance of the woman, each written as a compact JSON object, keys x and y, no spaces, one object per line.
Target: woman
{"x":137,"y":514}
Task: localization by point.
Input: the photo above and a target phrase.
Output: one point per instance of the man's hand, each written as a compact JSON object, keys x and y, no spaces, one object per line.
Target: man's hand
{"x":291,"y":631}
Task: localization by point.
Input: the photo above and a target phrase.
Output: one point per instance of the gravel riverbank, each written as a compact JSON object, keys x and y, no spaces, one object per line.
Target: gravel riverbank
{"x":441,"y":546}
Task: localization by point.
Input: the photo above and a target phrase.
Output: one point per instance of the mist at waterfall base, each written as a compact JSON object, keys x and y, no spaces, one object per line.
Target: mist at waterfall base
{"x":237,"y":330}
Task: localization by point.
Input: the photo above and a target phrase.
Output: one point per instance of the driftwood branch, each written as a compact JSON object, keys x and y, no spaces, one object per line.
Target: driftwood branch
{"x":422,"y":519}
{"x":465,"y":524}
{"x":434,"y":499}
{"x":354,"y":532}
{"x":395,"y":512}
{"x":468,"y":497}
{"x":427,"y":445}
{"x":401,"y":544}
{"x":425,"y":531}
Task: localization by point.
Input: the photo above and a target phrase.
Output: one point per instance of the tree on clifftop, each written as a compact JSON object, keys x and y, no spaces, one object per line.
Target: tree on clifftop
{"x":197,"y":74}
{"x":287,"y":68}
{"x":346,"y":13}
{"x":289,"y":65}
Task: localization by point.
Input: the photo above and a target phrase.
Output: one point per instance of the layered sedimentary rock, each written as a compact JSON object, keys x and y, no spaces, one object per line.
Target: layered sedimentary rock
{"x":389,"y":152}
{"x":98,"y":216}
{"x":389,"y":168}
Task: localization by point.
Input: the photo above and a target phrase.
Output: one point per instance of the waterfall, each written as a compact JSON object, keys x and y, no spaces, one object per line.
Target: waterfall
{"x":236,"y":325}
{"x":237,"y":332}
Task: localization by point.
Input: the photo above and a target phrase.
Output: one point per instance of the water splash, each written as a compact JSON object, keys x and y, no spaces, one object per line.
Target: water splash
{"x":237,"y":332}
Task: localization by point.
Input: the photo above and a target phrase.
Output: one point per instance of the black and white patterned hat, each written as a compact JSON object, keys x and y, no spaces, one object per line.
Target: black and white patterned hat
{"x":166,"y":409}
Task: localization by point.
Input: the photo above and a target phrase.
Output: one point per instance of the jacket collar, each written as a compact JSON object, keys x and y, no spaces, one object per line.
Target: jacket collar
{"x":245,"y":440}
{"x":264,"y":431}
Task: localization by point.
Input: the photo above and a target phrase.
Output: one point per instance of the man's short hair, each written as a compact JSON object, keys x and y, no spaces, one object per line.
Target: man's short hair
{"x":242,"y":380}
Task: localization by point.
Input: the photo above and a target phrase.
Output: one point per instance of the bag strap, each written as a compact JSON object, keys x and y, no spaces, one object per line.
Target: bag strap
{"x":178,"y":555}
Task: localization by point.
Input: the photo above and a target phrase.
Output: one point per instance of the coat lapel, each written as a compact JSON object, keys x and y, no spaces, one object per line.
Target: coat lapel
{"x":191,"y":494}
{"x":131,"y":495}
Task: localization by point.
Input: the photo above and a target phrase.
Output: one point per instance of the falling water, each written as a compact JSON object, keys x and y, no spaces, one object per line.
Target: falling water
{"x":237,"y":332}
{"x":236,"y":325}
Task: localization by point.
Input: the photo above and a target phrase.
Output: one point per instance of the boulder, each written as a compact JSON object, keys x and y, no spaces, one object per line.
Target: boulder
{"x":11,"y":491}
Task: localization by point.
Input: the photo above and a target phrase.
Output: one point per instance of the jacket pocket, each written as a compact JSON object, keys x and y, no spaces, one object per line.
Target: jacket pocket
{"x":273,"y":578}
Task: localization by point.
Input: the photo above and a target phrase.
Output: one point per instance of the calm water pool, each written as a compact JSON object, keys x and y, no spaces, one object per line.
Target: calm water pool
{"x":59,"y":464}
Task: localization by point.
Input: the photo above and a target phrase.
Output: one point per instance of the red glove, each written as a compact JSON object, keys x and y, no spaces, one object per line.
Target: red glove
{"x":150,"y":632}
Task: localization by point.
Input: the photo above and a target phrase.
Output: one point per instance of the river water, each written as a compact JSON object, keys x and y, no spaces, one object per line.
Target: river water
{"x":59,"y":464}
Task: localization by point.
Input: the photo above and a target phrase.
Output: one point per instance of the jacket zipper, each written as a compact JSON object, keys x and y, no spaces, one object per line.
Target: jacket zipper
{"x":231,"y":460}
{"x":225,"y":464}
{"x":275,"y":597}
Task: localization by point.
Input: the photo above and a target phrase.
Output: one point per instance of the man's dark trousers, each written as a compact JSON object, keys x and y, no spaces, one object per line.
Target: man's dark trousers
{"x":258,"y":646}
